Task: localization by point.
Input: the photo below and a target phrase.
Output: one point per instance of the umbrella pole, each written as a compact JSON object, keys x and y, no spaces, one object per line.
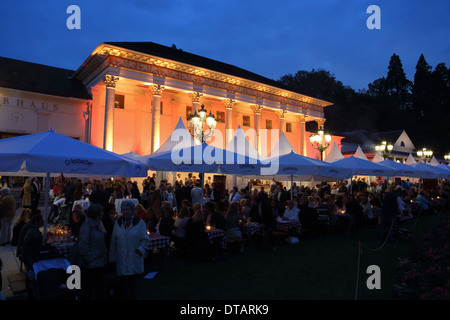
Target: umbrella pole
{"x":292,"y":183}
{"x":47,"y":190}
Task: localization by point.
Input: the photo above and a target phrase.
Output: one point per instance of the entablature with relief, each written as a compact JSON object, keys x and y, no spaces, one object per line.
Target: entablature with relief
{"x":120,"y":58}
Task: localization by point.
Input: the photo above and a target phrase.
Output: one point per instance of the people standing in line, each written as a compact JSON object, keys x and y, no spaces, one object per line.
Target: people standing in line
{"x":35,"y":194}
{"x":8,"y":209}
{"x":26,"y":192}
{"x":21,"y":221}
{"x":93,"y":252}
{"x":129,"y":244}
{"x":197,"y":193}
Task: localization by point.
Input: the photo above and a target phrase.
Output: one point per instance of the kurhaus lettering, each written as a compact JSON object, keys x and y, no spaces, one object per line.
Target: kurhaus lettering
{"x":19,"y":102}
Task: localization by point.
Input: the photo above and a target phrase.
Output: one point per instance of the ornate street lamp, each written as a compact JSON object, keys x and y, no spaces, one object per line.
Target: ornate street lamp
{"x":424,"y":154}
{"x":197,"y":125}
{"x":385,"y":149}
{"x":320,"y":141}
{"x":447,"y":157}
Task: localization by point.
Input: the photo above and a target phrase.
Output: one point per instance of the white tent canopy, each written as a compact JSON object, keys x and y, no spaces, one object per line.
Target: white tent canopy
{"x":410,"y":159}
{"x":282,"y":147}
{"x":377,"y":158}
{"x":334,"y":154}
{"x":433,"y":161}
{"x":360,"y":154}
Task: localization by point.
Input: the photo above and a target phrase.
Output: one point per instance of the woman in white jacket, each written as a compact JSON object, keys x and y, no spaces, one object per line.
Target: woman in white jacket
{"x":129,"y":243}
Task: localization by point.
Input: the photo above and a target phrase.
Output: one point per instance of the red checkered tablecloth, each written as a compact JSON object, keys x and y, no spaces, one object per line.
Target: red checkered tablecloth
{"x":287,"y":225}
{"x":158,"y":241}
{"x":250,"y":228}
{"x":216,"y":233}
{"x":324,"y":218}
{"x":63,"y":248}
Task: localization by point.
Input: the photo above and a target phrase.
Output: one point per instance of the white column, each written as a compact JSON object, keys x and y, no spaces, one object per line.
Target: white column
{"x":108,"y":133}
{"x":302,"y":120}
{"x":282,"y":120}
{"x":157,"y":90}
{"x":229,"y":119}
{"x":257,"y":108}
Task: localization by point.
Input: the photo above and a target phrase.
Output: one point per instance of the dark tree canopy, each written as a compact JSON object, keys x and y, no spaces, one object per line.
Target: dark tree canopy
{"x":421,"y":107}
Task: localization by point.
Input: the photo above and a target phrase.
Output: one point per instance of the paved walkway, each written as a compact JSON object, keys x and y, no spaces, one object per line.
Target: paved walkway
{"x":11,"y":265}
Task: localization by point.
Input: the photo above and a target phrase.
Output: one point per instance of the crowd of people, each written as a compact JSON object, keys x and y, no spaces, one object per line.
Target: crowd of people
{"x":106,"y":241}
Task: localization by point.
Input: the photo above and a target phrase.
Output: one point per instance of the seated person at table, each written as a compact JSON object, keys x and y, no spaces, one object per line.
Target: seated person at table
{"x":423,"y":201}
{"x":78,"y":218}
{"x":165,"y":224}
{"x":180,"y":225}
{"x":33,"y":241}
{"x":196,"y":237}
{"x":262,"y":213}
{"x":233,"y":217}
{"x":217,"y":217}
{"x":291,"y":212}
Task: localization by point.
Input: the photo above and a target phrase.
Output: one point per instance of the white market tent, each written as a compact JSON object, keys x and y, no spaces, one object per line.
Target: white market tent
{"x":410,"y":159}
{"x":377,"y":158}
{"x":433,"y":161}
{"x":334,"y":154}
{"x":360,"y":154}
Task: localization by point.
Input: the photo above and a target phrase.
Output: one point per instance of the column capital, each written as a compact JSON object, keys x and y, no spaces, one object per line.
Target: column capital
{"x":110,"y":81}
{"x":280,"y":113}
{"x":229,"y":102}
{"x":195,"y":96}
{"x":321,"y":122}
{"x":157,"y":89}
{"x":302,"y":118}
{"x":257,"y":108}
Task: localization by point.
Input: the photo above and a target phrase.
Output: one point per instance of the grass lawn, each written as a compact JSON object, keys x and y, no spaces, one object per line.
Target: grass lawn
{"x":317,"y":268}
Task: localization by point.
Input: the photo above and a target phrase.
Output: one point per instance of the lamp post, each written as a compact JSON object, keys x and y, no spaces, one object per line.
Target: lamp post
{"x":424,"y":154}
{"x":447,"y":157}
{"x":197,"y":123}
{"x":385,"y":149}
{"x":320,"y":141}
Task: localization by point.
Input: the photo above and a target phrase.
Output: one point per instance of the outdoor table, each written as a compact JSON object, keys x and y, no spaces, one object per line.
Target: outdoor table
{"x":158,"y":241}
{"x":288,"y":225}
{"x":118,"y":204}
{"x":250,"y":228}
{"x":216,"y":233}
{"x":64,"y":248}
{"x":84,"y":203}
{"x":324,"y":218}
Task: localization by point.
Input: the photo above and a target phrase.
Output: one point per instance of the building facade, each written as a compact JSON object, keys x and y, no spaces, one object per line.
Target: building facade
{"x":129,"y":96}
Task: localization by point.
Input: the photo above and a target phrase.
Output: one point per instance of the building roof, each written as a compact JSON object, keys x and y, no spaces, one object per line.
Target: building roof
{"x":196,"y":60}
{"x":33,"y":77}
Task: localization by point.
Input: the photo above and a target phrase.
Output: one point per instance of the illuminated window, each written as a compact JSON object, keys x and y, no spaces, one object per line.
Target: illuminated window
{"x":288,"y":127}
{"x":246,"y":121}
{"x":220,"y":116}
{"x":188,"y":111}
{"x":268,"y":124}
{"x":119,"y":101}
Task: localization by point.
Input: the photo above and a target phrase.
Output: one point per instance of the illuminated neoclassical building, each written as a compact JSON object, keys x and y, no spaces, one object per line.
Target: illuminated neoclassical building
{"x":128,"y":96}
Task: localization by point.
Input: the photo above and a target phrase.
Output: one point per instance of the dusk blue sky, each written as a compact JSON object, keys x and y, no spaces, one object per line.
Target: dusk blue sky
{"x":270,"y":38}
